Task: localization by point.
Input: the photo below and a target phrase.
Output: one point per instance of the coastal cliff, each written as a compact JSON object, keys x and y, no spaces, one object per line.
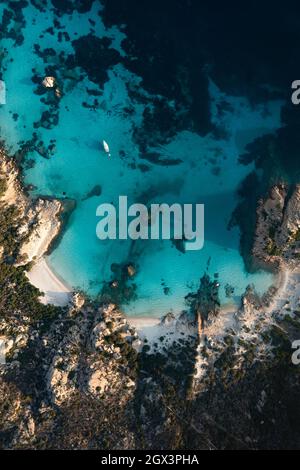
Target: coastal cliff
{"x":278,"y":227}
{"x":39,"y":220}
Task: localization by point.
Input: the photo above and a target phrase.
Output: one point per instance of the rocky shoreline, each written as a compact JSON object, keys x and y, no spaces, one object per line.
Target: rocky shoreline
{"x":278,"y":227}
{"x":83,"y":376}
{"x":39,"y":218}
{"x":40,"y":224}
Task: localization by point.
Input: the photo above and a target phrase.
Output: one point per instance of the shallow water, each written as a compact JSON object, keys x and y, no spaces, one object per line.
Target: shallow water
{"x":209,"y":172}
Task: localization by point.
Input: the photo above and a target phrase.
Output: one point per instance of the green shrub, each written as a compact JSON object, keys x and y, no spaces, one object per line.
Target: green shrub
{"x":3,"y":186}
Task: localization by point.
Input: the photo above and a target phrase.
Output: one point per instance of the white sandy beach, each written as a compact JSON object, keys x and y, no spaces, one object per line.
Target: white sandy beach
{"x":139,"y":322}
{"x":147,"y":327}
{"x":56,"y":291}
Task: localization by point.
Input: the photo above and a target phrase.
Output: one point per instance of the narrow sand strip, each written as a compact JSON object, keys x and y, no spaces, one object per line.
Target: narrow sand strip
{"x":56,"y":292}
{"x":141,"y":322}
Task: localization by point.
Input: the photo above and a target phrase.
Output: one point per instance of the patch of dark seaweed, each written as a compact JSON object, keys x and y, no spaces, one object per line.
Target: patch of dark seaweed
{"x":40,"y":5}
{"x":121,"y":290}
{"x":143,"y":168}
{"x":155,"y":157}
{"x":13,"y":21}
{"x":169,"y":186}
{"x":68,"y":6}
{"x":161,"y":122}
{"x":95,"y":56}
{"x":95,"y":191}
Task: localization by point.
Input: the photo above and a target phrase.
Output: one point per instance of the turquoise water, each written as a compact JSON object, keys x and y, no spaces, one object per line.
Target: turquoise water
{"x":209,"y":173}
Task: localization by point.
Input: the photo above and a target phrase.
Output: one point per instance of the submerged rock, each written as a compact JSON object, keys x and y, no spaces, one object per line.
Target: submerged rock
{"x":114,"y":284}
{"x":49,"y":82}
{"x":229,"y":290}
{"x":168,"y":319}
{"x":250,"y":301}
{"x":58,"y":92}
{"x":131,"y":270}
{"x":96,"y":191}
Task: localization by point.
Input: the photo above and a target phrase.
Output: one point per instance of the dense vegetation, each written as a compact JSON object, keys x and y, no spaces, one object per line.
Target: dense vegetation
{"x":18,"y":296}
{"x":9,"y":225}
{"x":3,"y":186}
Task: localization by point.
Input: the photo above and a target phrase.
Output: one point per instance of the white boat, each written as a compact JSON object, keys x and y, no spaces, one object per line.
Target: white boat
{"x":106,"y":147}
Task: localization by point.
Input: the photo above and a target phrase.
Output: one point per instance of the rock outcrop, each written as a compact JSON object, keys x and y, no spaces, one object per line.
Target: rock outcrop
{"x":49,"y":82}
{"x":43,"y":223}
{"x":39,"y":220}
{"x":278,"y":227}
{"x":105,"y":368}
